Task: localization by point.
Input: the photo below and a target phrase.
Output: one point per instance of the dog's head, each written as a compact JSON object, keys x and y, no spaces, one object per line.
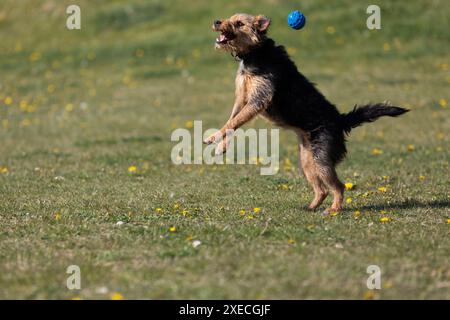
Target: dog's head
{"x":240,"y":33}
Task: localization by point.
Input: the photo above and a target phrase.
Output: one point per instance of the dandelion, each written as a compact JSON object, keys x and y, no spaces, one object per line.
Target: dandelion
{"x":176,"y":206}
{"x":348,"y":200}
{"x":69,"y":107}
{"x":116,"y":296}
{"x":35,"y":56}
{"x":283,"y":186}
{"x":189,"y":124}
{"x":382,"y":189}
{"x":291,"y":51}
{"x":442,"y":102}
{"x":357,"y":214}
{"x":369,"y":295}
{"x":377,"y":151}
{"x":349,"y":186}
{"x":8,"y":101}
{"x":57,"y":216}
{"x":189,"y":238}
{"x":242,"y":212}
{"x":256,"y":210}
{"x":185,"y":213}
{"x":132,"y":169}
{"x":4,"y":170}
{"x":291,"y":241}
{"x":250,"y":217}
{"x":158,"y":210}
{"x":173,"y":229}
{"x":334,"y":213}
{"x":385,"y":219}
{"x":330,"y":30}
{"x":410,"y":147}
{"x":422,"y":178}
{"x":448,"y":221}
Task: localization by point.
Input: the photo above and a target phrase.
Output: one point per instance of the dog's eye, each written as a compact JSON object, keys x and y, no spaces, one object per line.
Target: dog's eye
{"x":239,"y":24}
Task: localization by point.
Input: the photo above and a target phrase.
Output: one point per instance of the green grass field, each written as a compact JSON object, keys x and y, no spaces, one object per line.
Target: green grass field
{"x":80,"y":109}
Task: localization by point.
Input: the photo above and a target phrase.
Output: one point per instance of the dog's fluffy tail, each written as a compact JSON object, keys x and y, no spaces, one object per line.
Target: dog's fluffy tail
{"x":368,"y":113}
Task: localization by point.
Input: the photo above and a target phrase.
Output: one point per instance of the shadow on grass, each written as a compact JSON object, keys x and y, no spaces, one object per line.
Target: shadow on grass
{"x":411,"y":204}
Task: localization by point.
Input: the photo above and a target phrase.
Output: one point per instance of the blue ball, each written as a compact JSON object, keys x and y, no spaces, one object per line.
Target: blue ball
{"x":296,"y":20}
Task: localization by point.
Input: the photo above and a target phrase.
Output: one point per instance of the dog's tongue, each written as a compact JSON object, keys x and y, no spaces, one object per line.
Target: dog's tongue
{"x":222,"y":37}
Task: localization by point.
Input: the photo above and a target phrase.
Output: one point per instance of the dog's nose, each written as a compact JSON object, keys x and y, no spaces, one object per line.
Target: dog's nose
{"x":217,"y":23}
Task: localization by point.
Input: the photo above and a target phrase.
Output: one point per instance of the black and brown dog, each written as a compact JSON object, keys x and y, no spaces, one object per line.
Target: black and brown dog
{"x":269,"y":84}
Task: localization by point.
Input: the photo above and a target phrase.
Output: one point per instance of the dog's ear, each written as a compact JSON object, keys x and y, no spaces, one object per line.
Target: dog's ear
{"x":262,"y":23}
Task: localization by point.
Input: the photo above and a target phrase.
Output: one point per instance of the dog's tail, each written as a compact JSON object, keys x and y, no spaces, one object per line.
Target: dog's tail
{"x":368,"y":113}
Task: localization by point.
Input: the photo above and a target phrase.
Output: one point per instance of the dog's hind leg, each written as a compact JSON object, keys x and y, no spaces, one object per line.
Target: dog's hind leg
{"x":310,"y":170}
{"x":329,"y":176}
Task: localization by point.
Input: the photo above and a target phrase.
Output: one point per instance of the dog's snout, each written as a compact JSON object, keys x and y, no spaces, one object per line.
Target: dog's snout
{"x":217,"y":23}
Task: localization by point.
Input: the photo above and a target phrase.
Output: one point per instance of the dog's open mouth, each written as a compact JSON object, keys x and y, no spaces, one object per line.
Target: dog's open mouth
{"x":223,"y":38}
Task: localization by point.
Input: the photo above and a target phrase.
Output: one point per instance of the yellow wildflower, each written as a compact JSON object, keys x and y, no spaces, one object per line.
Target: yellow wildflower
{"x":349,"y":186}
{"x":421,"y":178}
{"x":158,"y":210}
{"x":349,"y":200}
{"x":369,"y":295}
{"x":377,"y":151}
{"x":189,"y":124}
{"x":242,"y":212}
{"x":284,"y":186}
{"x":291,"y":241}
{"x":330,"y":30}
{"x":256,"y":210}
{"x":116,"y":296}
{"x":357,"y":214}
{"x":35,"y":56}
{"x":69,"y":107}
{"x":385,"y":219}
{"x":442,"y":102}
{"x":173,"y":229}
{"x":57,"y":216}
{"x":8,"y":101}
{"x":382,"y":189}
{"x":3,"y":170}
{"x":185,"y":213}
{"x":410,"y":147}
{"x":132,"y":169}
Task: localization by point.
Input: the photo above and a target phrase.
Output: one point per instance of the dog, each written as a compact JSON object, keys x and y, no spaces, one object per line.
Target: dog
{"x":268,"y":84}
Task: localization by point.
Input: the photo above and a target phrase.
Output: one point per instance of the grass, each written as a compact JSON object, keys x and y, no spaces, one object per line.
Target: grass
{"x":78,"y":108}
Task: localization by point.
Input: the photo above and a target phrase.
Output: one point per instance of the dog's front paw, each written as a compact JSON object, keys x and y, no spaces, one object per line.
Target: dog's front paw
{"x":212,"y":138}
{"x":221,"y":148}
{"x":209,"y":140}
